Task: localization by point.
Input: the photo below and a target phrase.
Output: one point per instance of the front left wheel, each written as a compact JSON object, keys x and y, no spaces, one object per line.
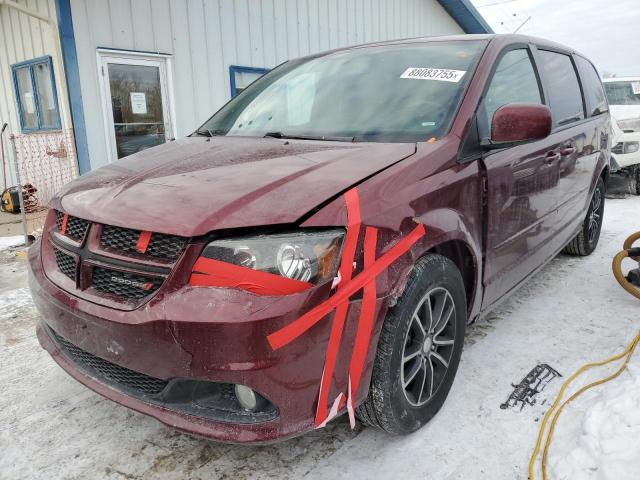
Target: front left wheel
{"x":419,"y":349}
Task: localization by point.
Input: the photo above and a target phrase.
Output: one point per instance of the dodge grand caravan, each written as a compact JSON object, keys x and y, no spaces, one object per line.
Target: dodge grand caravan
{"x":318,"y":246}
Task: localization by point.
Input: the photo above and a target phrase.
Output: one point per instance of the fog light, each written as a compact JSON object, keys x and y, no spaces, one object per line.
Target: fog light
{"x":246,"y":397}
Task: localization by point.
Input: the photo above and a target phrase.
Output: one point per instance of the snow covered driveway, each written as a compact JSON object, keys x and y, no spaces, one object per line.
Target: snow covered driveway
{"x":570,"y":313}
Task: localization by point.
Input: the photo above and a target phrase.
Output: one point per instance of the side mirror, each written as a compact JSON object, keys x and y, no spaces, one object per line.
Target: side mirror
{"x":519,"y":122}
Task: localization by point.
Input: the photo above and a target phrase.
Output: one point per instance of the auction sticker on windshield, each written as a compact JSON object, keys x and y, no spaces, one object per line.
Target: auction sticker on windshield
{"x":440,"y":74}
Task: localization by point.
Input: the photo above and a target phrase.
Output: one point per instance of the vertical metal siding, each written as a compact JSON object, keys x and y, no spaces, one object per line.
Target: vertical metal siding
{"x":204,"y":37}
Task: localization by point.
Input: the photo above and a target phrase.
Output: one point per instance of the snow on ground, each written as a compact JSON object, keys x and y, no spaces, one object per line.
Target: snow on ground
{"x":599,"y":436}
{"x":9,"y":242}
{"x":570,"y":313}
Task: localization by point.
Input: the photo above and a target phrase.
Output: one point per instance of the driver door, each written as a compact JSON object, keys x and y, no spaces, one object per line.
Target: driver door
{"x":521,"y":184}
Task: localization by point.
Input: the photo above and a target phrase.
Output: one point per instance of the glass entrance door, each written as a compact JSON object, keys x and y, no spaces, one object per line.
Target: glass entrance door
{"x":136,"y":109}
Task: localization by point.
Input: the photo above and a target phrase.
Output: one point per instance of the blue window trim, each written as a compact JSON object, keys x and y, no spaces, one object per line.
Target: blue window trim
{"x":72,"y":74}
{"x":233,"y":69}
{"x":30,"y":64}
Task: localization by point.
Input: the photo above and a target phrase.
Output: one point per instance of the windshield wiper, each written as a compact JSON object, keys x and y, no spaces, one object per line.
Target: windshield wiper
{"x":209,"y":133}
{"x":326,"y":138}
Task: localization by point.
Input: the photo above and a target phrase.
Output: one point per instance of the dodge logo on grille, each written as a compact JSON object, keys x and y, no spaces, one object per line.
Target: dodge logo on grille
{"x":132,"y":283}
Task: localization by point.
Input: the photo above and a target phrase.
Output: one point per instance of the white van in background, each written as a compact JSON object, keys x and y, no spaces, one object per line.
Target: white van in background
{"x":624,"y":104}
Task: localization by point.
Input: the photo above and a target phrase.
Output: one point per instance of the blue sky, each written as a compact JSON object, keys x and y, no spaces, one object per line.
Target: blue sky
{"x":606,"y":31}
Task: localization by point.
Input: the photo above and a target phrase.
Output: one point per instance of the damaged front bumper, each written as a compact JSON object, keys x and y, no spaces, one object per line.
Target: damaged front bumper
{"x":178,"y":357}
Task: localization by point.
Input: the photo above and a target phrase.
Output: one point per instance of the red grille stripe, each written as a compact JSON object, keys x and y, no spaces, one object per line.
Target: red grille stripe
{"x":63,"y":227}
{"x":143,"y":242}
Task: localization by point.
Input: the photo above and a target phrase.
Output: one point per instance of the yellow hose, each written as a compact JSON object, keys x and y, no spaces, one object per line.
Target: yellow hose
{"x":556,"y":408}
{"x":617,"y":266}
{"x":628,"y":243}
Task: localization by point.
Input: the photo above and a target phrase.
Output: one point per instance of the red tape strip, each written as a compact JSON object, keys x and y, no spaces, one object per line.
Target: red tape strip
{"x":143,"y":242}
{"x":337,"y":328}
{"x":63,"y":227}
{"x":296,"y":328}
{"x":208,"y":272}
{"x":365,"y":322}
{"x":340,"y":302}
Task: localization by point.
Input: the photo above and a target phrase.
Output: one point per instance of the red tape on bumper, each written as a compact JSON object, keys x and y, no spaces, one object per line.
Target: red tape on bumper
{"x":296,"y":328}
{"x":207,"y":272}
{"x":340,"y":302}
{"x":346,"y":271}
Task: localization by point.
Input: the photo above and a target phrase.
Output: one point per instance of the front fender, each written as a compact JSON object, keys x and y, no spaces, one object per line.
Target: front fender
{"x":431,"y":189}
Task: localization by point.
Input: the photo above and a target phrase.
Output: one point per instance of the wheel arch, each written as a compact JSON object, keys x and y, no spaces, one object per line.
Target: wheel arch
{"x":460,"y":253}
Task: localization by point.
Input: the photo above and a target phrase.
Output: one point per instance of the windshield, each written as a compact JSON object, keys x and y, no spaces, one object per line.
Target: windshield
{"x":623,"y":93}
{"x":399,"y":93}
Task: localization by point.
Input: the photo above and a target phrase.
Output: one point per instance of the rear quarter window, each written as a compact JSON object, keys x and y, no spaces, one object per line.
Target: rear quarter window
{"x":565,"y":97}
{"x":592,"y":86}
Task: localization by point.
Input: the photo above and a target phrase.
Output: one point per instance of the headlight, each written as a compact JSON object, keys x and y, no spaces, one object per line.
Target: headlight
{"x":629,"y":124}
{"x":308,"y":257}
{"x":630,"y":147}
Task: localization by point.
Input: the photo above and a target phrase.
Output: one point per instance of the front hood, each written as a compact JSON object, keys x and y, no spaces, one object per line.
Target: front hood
{"x":625,"y":112}
{"x":192,"y":186}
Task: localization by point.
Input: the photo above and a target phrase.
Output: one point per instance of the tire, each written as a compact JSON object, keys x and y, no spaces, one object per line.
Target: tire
{"x":586,"y":241}
{"x":389,"y":406}
{"x":635,"y":180}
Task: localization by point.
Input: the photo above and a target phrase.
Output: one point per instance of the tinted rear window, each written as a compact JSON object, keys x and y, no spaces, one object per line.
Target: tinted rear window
{"x":565,"y":97}
{"x":593,"y":91}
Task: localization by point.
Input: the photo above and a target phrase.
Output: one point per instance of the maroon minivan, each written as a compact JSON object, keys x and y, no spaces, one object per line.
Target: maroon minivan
{"x":319,"y":245}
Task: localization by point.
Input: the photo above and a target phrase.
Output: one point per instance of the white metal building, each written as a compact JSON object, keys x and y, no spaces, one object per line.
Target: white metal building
{"x":137,"y":72}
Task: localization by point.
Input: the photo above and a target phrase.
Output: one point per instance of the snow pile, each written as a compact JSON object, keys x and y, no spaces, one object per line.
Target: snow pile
{"x":9,"y":242}
{"x":601,"y":440}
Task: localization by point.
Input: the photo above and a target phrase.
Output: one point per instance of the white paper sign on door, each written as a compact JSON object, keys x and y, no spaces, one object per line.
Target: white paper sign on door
{"x":138,"y":103}
{"x":635,"y":86}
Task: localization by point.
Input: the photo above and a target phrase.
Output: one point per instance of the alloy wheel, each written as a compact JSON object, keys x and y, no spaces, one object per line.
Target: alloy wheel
{"x":595,"y":214}
{"x":428,"y":346}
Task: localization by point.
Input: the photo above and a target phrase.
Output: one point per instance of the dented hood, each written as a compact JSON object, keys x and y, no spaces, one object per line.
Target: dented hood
{"x":192,"y":186}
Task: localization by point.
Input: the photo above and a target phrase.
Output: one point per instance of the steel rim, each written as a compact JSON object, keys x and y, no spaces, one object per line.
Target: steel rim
{"x":595,"y":215}
{"x":428,"y":346}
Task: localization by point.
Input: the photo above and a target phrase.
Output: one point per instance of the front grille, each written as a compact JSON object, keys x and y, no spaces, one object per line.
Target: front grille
{"x":129,"y":283}
{"x":76,"y":227}
{"x":66,"y":263}
{"x":123,"y":284}
{"x":110,"y":372}
{"x":165,"y":247}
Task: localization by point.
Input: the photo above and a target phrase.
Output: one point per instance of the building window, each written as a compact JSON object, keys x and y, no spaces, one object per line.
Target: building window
{"x":242,"y":77}
{"x":36,"y":95}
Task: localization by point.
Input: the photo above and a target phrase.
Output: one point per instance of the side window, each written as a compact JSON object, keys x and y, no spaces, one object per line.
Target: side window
{"x":514,"y":81}
{"x":242,"y":77}
{"x":36,"y":94}
{"x":593,"y":91}
{"x":565,"y":98}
